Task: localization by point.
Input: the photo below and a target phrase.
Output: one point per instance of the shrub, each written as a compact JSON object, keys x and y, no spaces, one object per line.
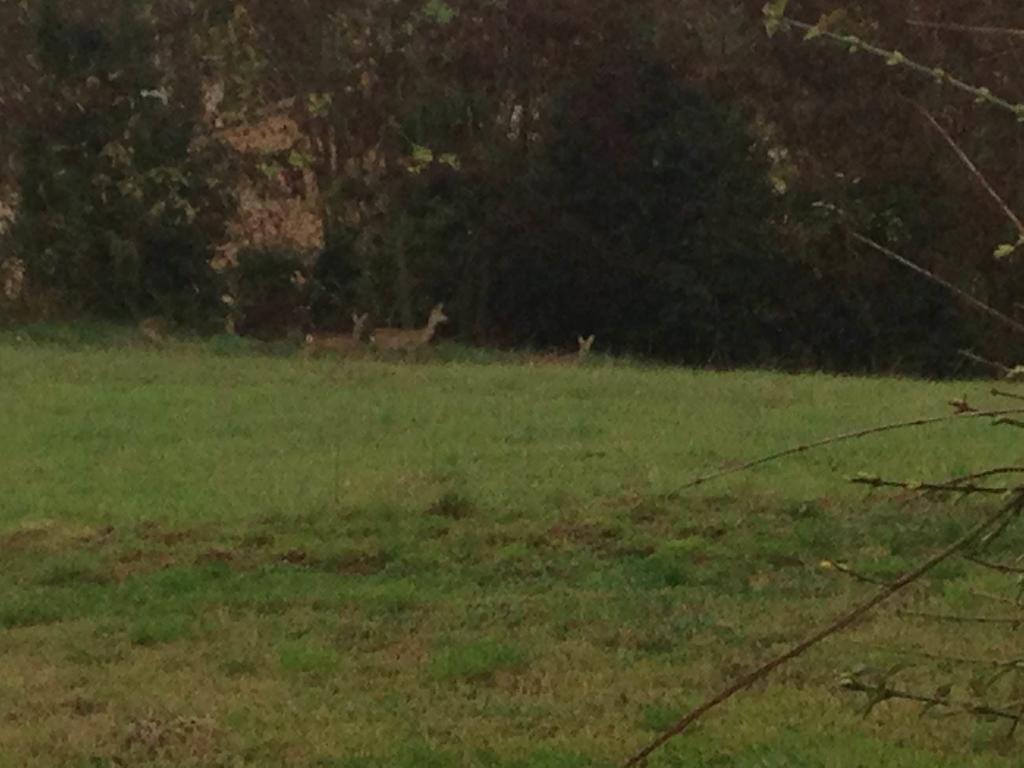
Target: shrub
{"x":119,"y":206}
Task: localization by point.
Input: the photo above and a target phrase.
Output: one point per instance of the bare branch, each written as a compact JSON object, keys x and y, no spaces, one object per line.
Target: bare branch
{"x":832,"y":565}
{"x":998,"y":531}
{"x":909,"y":485}
{"x":844,"y":621}
{"x":972,"y":28}
{"x":957,"y":619}
{"x":1004,"y":370}
{"x":1011,"y":395}
{"x":891,"y":56}
{"x":976,"y":303}
{"x":883,"y":692}
{"x":964,"y":660}
{"x":842,"y":438}
{"x":995,"y":598}
{"x":969,"y":164}
{"x":1000,"y":567}
{"x":993,"y":472}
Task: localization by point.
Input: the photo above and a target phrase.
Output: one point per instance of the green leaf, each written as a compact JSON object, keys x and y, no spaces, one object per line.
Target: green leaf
{"x":439,"y":12}
{"x":422,"y":154}
{"x":451,"y":160}
{"x":895,"y":58}
{"x":830,"y":21}
{"x":774,"y":13}
{"x":298,"y":159}
{"x":1004,"y":250}
{"x":270,"y":170}
{"x":419,"y":158}
{"x":319,"y":103}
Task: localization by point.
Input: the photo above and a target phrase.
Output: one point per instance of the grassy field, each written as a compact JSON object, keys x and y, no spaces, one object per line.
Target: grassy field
{"x":213,"y":557}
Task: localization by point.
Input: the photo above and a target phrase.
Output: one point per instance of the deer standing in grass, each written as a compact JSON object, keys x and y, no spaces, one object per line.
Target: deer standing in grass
{"x":338,"y":342}
{"x":558,"y":358}
{"x":400,"y":339}
{"x":153,"y":330}
{"x":585,"y":345}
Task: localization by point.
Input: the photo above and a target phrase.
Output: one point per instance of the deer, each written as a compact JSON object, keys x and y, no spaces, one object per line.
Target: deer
{"x":558,"y":358}
{"x":337,"y":342}
{"x":400,"y":339}
{"x":585,"y":345}
{"x":153,"y":330}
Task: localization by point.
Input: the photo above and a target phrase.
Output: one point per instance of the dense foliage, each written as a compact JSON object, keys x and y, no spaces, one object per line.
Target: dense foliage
{"x":646,"y":172}
{"x":118,"y":214}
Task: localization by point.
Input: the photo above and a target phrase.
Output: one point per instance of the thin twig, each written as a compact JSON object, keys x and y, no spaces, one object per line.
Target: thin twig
{"x":839,"y":439}
{"x":832,"y":565}
{"x":995,"y":598}
{"x":1005,"y":370}
{"x":1011,"y":395}
{"x":844,"y":621}
{"x":1013,"y":727}
{"x":965,"y":660}
{"x":969,"y":164}
{"x":999,"y":567}
{"x":852,"y":41}
{"x":957,"y":619}
{"x":972,"y":28}
{"x":907,"y":485}
{"x":883,"y":692}
{"x":976,"y":303}
{"x":998,"y":531}
{"x":985,"y":473}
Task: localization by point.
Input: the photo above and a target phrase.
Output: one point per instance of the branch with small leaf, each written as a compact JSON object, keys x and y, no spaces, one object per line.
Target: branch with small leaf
{"x":879,"y":692}
{"x":776,"y":20}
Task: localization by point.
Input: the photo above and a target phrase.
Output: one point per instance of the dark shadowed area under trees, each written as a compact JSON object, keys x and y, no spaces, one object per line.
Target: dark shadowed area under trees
{"x":656,"y":173}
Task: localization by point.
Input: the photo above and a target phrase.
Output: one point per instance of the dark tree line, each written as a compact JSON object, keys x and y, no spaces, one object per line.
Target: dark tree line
{"x":648,"y":172}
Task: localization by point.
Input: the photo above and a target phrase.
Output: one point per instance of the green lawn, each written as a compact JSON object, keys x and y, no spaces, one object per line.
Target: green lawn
{"x":213,"y":557}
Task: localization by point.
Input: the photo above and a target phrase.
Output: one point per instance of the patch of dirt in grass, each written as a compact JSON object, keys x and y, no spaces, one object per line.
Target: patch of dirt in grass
{"x":155,"y":532}
{"x":356,"y":563}
{"x":708,"y":532}
{"x":257,"y":541}
{"x":212,"y":556}
{"x":49,"y":536}
{"x":353,"y":562}
{"x":591,"y":535}
{"x":136,"y":562}
{"x":21,"y":539}
{"x":294,"y":557}
{"x":778,"y":560}
{"x":601,"y":539}
{"x":179,"y":738}
{"x":408,"y":653}
{"x":453,"y":506}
